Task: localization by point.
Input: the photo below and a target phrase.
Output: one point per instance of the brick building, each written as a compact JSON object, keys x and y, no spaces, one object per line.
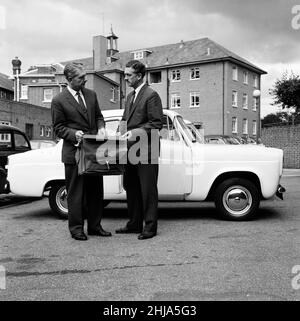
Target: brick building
{"x":6,"y":87}
{"x":200,"y":79}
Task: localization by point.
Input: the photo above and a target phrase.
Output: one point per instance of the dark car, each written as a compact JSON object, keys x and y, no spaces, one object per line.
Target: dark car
{"x":221,"y":139}
{"x":12,"y":141}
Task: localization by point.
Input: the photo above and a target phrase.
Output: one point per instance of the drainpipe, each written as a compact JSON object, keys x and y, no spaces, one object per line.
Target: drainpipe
{"x":223,"y":98}
{"x":168,"y":90}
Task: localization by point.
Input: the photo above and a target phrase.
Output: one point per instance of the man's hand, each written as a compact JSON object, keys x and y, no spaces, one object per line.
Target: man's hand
{"x":127,"y":135}
{"x":101,"y":134}
{"x":79,"y":134}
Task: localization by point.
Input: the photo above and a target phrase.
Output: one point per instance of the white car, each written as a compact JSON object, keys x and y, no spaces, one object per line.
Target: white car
{"x":235,"y":177}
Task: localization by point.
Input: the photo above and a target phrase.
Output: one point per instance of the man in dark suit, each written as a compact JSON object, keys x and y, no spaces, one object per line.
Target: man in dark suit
{"x":75,"y":112}
{"x":143,"y":117}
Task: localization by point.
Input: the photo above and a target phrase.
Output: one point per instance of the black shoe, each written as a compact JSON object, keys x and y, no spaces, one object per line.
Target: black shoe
{"x":79,"y":236}
{"x":146,"y":235}
{"x":126,"y":230}
{"x":99,"y":232}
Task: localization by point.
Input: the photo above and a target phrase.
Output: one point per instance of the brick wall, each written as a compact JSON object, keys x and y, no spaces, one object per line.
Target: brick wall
{"x":286,"y":138}
{"x":19,"y":114}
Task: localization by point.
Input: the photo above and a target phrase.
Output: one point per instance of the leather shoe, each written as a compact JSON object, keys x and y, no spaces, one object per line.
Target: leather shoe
{"x":146,"y":235}
{"x":79,"y":236}
{"x":99,"y":232}
{"x":126,"y":230}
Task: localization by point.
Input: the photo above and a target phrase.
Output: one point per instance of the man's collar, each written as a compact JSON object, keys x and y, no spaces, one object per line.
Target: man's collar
{"x":73,"y":92}
{"x":139,"y":88}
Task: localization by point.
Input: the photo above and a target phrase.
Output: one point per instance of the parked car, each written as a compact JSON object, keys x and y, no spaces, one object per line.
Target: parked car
{"x":41,"y":143}
{"x":12,"y":141}
{"x":221,"y":139}
{"x":235,"y":177}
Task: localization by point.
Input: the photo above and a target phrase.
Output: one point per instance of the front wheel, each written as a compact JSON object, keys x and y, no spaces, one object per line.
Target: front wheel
{"x":58,"y":200}
{"x":237,"y":199}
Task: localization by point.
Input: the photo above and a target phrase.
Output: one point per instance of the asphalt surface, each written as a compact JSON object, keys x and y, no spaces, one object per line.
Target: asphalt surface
{"x":195,"y":255}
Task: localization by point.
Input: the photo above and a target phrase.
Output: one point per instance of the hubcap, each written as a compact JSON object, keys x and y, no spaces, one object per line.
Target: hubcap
{"x":237,"y":200}
{"x":61,"y":199}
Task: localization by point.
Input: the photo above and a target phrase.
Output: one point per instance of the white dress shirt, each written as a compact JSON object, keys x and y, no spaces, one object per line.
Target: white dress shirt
{"x":74,"y":94}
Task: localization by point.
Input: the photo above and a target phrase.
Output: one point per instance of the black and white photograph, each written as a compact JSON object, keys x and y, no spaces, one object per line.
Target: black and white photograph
{"x":149,"y":154}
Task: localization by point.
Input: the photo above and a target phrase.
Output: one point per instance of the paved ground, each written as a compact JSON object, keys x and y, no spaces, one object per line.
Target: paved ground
{"x":195,"y":256}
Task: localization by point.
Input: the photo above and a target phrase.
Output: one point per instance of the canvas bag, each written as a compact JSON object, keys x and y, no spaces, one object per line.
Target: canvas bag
{"x":104,"y":157}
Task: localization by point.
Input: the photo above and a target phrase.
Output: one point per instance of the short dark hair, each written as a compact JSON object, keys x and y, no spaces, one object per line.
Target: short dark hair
{"x":71,"y":69}
{"x":137,"y":66}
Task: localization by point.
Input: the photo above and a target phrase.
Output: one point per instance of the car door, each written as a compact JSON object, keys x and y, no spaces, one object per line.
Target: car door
{"x":175,"y":163}
{"x":113,"y":184}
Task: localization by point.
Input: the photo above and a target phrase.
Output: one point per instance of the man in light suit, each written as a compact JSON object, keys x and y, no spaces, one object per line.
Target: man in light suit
{"x":143,"y":116}
{"x":75,"y":112}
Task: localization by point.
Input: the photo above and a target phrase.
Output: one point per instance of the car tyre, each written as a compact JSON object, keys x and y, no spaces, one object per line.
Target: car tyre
{"x":58,"y":200}
{"x":237,"y":199}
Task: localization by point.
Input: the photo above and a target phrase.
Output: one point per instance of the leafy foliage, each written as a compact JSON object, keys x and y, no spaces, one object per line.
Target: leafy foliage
{"x":286,"y":92}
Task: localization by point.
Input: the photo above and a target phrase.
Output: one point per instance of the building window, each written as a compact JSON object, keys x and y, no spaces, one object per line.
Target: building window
{"x":42,"y":130}
{"x":139,"y":55}
{"x":255,"y":103}
{"x":175,"y":100}
{"x":245,"y":126}
{"x":254,"y":127}
{"x":155,"y":77}
{"x":245,"y":77}
{"x":48,"y":131}
{"x":113,"y":94}
{"x":195,"y":73}
{"x":5,"y":138}
{"x":48,"y":95}
{"x":234,"y":98}
{"x":245,"y":101}
{"x":235,"y":73}
{"x":176,"y":75}
{"x":234,"y":125}
{"x":24,"y":92}
{"x":194,"y":99}
{"x":255,"y":81}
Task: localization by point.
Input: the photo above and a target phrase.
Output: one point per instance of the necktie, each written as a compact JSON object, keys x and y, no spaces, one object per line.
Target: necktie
{"x":80,"y":100}
{"x":131,"y":101}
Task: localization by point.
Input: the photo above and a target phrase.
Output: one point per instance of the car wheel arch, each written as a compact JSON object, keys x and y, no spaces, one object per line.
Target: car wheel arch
{"x":228,"y":175}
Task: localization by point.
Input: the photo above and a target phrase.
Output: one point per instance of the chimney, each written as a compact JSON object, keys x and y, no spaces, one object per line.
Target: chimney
{"x":16,"y":66}
{"x":99,"y":52}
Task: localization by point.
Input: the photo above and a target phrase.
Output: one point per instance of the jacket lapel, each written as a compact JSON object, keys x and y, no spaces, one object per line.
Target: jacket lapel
{"x":73,"y":101}
{"x":136,"y":102}
{"x":88,"y":102}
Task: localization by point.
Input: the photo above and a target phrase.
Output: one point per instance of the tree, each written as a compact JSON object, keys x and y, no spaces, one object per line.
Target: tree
{"x":286,"y":92}
{"x":280,"y":118}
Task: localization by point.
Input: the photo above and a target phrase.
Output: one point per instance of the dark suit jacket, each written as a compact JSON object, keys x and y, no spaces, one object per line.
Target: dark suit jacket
{"x":145,"y":116}
{"x":68,"y":117}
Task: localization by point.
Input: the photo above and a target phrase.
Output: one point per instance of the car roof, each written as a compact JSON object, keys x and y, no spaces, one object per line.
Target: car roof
{"x":119,"y":113}
{"x":10,"y":128}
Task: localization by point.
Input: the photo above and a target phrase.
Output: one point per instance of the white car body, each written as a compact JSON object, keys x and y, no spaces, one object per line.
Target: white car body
{"x":188,"y":170}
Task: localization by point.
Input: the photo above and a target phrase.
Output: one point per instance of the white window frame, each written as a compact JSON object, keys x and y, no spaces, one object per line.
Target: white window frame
{"x":235,"y":73}
{"x":245,"y":101}
{"x":234,"y":98}
{"x":24,"y":92}
{"x":150,"y":73}
{"x":234,"y":125}
{"x":196,"y":72}
{"x":5,"y":137}
{"x":48,"y":131}
{"x":245,"y":77}
{"x":255,"y":103}
{"x":46,"y":99}
{"x":193,"y":99}
{"x":254,"y":127}
{"x":42,"y":130}
{"x":176,"y":75}
{"x":113,"y":94}
{"x":174,"y":101}
{"x":245,"y":126}
{"x":255,"y":81}
{"x":138,"y":55}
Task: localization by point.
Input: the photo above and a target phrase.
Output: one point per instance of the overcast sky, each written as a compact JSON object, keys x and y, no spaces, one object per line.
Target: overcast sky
{"x":46,"y":31}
